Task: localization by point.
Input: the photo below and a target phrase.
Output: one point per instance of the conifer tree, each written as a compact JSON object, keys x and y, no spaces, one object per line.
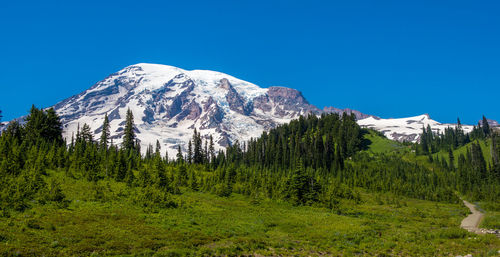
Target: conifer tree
{"x":486,"y":126}
{"x":182,"y":175}
{"x":86,"y":134}
{"x":180,"y":159}
{"x":129,"y":177}
{"x":197,"y":145}
{"x":298,"y":184}
{"x":129,"y":133}
{"x":452,"y":159}
{"x":206,"y":159}
{"x":158,"y":148}
{"x":494,"y":150}
{"x":105,"y":133}
{"x":189,"y":156}
{"x":43,"y":126}
{"x":193,"y":181}
{"x":424,"y":141}
{"x":211,"y":150}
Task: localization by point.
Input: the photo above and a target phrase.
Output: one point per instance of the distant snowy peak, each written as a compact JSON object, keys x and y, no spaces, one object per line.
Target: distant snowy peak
{"x":407,"y":129}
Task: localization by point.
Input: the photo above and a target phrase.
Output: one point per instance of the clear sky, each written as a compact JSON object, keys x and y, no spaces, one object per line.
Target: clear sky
{"x":387,"y":58}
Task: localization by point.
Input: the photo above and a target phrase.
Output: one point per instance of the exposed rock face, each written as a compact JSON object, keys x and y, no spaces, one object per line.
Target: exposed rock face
{"x":290,"y":101}
{"x":213,"y":115}
{"x":235,"y":101}
{"x":359,"y":115}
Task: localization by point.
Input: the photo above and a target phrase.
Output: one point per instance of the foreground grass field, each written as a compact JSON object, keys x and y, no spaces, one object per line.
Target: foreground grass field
{"x":492,"y":216}
{"x":101,"y":219}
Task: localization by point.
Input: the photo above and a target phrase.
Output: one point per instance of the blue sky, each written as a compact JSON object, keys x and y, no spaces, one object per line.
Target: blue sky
{"x":387,"y":58}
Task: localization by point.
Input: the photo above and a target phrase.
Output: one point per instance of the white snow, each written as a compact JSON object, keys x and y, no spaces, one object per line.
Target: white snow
{"x":407,"y":126}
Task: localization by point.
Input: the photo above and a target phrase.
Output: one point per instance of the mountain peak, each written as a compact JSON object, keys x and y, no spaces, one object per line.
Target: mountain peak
{"x":168,"y":103}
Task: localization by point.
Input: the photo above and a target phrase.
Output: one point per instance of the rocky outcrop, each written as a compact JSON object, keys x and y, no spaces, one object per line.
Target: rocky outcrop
{"x":289,"y":100}
{"x":359,"y":115}
{"x":213,"y":114}
{"x":235,"y":101}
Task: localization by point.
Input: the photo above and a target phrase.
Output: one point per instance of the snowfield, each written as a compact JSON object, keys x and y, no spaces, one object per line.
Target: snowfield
{"x":407,"y":129}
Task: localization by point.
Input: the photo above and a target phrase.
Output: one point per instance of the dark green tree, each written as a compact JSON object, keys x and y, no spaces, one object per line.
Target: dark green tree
{"x":180,"y":159}
{"x":129,"y":133}
{"x":43,"y":126}
{"x":298,"y":184}
{"x":157,"y":148}
{"x":486,"y":126}
{"x":451,"y":159}
{"x":189,"y":157}
{"x":85,"y":134}
{"x":105,"y":133}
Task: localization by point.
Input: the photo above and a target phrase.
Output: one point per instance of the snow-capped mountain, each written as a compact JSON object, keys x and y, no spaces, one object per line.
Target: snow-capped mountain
{"x":168,"y":103}
{"x":407,"y":129}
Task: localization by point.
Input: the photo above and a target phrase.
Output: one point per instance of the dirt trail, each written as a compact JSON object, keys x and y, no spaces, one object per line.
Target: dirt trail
{"x":471,"y":222}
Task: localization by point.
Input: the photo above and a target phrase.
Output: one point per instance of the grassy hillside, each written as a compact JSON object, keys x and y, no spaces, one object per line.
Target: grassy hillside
{"x":380,"y":144}
{"x":102,"y":219}
{"x":485,"y":147}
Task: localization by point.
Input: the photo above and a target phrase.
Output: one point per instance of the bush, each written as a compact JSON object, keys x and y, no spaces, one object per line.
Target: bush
{"x":54,"y":193}
{"x":453,"y":233}
{"x":223,"y":190}
{"x":150,"y":197}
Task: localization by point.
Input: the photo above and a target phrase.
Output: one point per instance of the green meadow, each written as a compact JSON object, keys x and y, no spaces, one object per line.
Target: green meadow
{"x":101,"y":219}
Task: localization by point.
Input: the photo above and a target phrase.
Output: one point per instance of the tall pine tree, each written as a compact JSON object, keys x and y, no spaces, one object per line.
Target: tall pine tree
{"x":105,"y":133}
{"x":486,"y":126}
{"x":129,"y":133}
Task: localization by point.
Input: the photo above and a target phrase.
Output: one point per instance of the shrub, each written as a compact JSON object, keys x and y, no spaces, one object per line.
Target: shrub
{"x":150,"y":197}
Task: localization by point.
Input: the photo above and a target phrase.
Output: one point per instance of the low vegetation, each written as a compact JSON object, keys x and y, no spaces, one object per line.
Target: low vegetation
{"x":104,"y":218}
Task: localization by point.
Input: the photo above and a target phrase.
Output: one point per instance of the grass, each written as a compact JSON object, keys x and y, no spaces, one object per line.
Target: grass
{"x":204,"y":224}
{"x":381,"y":144}
{"x":492,"y":215}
